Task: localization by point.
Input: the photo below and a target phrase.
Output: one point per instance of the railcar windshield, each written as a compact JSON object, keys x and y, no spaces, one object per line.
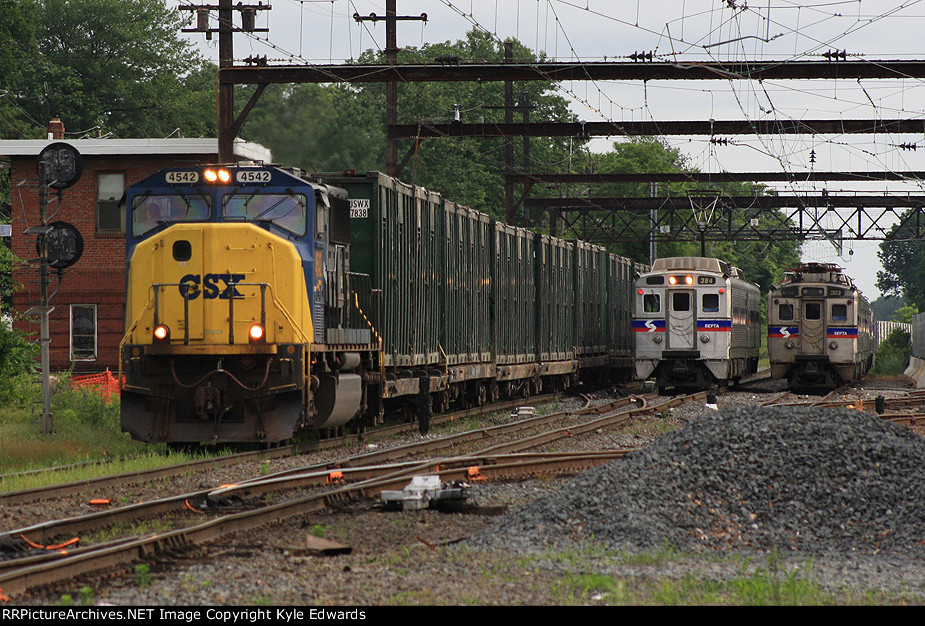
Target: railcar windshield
{"x":149,"y":210}
{"x":287,"y":210}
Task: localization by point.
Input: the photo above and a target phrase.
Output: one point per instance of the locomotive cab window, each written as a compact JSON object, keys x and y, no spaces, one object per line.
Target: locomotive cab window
{"x":651,"y":303}
{"x":286,"y":210}
{"x":710,"y":303}
{"x":839,"y":312}
{"x":150,"y":210}
{"x":812,"y":311}
{"x":680,"y":302}
{"x":785,"y":312}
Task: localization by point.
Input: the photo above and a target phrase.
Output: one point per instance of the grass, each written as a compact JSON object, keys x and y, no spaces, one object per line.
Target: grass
{"x":87,"y":431}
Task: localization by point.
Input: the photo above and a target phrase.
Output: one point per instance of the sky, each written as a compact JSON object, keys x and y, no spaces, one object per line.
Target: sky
{"x":324,"y":31}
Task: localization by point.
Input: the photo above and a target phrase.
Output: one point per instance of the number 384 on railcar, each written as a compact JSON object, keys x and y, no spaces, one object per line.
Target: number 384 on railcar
{"x":820,"y":328}
{"x":697,"y":323}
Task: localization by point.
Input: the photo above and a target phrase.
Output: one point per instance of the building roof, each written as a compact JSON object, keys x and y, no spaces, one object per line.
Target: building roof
{"x":126,"y":147}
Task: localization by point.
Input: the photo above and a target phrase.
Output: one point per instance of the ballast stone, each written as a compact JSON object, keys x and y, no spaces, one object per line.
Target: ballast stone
{"x":811,"y":480}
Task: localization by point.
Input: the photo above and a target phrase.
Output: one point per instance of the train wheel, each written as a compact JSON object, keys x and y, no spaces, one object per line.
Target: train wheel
{"x":480,"y":394}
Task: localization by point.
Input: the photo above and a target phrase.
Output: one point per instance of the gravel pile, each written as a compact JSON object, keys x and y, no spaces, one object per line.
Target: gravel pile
{"x":814,"y":481}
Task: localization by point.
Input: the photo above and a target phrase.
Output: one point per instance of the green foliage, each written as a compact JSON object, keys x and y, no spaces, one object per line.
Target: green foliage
{"x":143,"y":575}
{"x":906,"y":313}
{"x":117,"y":66}
{"x":17,"y":360}
{"x":332,"y":128}
{"x":903,"y":260}
{"x":774,"y":586}
{"x":85,"y":407}
{"x":885,"y":307}
{"x":893,"y":353}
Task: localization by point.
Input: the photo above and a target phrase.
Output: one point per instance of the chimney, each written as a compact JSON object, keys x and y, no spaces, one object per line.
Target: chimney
{"x":55,"y":129}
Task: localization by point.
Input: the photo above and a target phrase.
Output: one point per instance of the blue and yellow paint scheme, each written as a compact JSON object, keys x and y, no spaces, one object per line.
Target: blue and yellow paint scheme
{"x":241,"y":315}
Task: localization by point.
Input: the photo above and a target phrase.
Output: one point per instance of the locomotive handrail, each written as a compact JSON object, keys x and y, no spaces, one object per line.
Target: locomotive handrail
{"x":156,"y":287}
{"x":231,"y":298}
{"x":128,"y":332}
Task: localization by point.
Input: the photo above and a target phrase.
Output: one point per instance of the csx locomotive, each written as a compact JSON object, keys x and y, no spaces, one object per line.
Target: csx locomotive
{"x":697,"y":323}
{"x":263,"y":301}
{"x":820,"y":328}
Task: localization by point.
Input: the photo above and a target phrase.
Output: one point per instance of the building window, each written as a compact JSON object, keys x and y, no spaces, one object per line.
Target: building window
{"x":109,"y":215}
{"x":83,"y":332}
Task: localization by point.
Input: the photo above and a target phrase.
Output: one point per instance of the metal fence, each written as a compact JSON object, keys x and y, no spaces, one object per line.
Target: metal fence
{"x":882,"y":330}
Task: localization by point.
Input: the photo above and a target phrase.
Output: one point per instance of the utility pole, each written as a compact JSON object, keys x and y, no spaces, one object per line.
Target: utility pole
{"x":228,"y":125}
{"x":653,"y":218}
{"x":391,"y":88}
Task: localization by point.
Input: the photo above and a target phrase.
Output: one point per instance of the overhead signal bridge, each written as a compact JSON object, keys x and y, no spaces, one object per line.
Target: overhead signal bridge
{"x":746,"y":218}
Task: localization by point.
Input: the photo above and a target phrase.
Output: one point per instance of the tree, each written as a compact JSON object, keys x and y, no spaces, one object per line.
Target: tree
{"x":903,"y":260}
{"x":885,"y":308}
{"x":107,"y":67}
{"x":18,"y":24}
{"x":343,"y":126}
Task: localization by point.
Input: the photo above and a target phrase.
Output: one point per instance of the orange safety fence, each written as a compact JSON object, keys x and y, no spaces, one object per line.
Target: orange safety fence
{"x":105,"y":384}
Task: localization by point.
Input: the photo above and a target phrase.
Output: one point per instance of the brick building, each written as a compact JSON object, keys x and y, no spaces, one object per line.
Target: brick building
{"x":86,"y":325}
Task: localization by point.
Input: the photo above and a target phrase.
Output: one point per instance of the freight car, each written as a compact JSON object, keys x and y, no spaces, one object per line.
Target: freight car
{"x":697,"y":323}
{"x":263,"y":301}
{"x":820,"y":328}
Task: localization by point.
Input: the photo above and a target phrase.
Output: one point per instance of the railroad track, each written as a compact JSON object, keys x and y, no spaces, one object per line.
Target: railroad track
{"x":211,"y":514}
{"x":60,"y":560}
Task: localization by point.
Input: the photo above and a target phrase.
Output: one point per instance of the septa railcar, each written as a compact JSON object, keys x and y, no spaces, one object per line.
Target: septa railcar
{"x":820,"y":328}
{"x":263,"y":301}
{"x":697,"y":323}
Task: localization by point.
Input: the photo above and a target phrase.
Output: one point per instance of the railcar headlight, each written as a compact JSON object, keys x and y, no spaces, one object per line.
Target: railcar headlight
{"x":833,"y":345}
{"x":161,"y":334}
{"x":789,"y":345}
{"x":688,"y":280}
{"x":657,"y":338}
{"x":704,"y":338}
{"x":672,"y":280}
{"x":256,"y":334}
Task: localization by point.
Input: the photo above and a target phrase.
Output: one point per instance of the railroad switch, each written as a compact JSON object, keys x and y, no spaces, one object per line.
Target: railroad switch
{"x":424,"y":492}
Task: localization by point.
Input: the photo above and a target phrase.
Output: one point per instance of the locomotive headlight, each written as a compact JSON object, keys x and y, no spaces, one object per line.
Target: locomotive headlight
{"x":217,"y":176}
{"x":704,"y":338}
{"x":161,"y":333}
{"x":256,"y":334}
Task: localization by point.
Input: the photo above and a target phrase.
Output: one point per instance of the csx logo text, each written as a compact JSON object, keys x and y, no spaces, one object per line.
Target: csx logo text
{"x":220,"y":286}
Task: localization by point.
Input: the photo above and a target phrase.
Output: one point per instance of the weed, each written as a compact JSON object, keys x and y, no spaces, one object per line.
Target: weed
{"x":86,"y":596}
{"x":664,"y":554}
{"x":319,"y":530}
{"x":143,"y":575}
{"x":774,"y":586}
